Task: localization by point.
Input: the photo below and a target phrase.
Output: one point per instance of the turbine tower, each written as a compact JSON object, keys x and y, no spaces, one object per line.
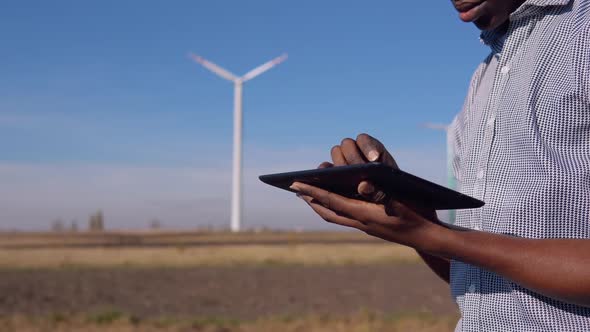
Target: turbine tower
{"x":451,"y":183}
{"x":236,"y":201}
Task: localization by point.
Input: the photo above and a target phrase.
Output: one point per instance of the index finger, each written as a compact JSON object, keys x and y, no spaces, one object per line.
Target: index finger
{"x":374,"y":150}
{"x":370,"y":147}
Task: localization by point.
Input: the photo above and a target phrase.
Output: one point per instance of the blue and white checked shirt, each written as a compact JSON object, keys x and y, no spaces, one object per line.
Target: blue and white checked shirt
{"x":522,"y":144}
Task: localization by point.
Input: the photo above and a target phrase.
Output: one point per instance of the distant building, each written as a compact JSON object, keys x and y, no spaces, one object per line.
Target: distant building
{"x":96,"y":222}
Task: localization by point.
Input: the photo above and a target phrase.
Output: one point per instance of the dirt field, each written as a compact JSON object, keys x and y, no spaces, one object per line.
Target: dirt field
{"x":237,"y":292}
{"x":289,"y":282}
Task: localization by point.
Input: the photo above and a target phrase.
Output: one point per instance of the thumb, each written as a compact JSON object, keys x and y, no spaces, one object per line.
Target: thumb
{"x":368,"y":191}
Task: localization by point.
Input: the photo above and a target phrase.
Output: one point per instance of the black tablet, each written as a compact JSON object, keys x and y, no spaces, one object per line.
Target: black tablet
{"x":344,"y":180}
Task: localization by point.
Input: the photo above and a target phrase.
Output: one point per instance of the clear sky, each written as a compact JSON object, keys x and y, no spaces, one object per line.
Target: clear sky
{"x":100,"y":108}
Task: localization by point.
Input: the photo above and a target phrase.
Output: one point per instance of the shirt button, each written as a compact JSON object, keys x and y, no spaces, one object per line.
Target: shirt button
{"x":477,"y":228}
{"x":480,"y":174}
{"x":472,"y":288}
{"x":505,"y":70}
{"x":491,"y":121}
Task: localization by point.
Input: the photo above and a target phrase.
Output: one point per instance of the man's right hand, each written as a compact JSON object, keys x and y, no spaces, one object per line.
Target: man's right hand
{"x":360,"y":151}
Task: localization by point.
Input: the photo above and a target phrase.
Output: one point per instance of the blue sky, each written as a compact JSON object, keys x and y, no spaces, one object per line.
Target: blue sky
{"x":107,"y":88}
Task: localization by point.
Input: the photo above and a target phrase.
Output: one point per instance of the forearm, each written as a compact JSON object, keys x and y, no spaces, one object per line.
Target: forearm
{"x":557,"y":268}
{"x":440,"y":266}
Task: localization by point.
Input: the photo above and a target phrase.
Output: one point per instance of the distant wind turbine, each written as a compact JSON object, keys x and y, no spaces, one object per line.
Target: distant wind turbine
{"x":450,"y":176}
{"x":236,"y":203}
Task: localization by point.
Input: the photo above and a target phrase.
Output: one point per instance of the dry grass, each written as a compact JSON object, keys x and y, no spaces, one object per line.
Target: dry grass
{"x":115,"y":322}
{"x":227,"y":255}
{"x":189,"y":249}
{"x":163,"y":238}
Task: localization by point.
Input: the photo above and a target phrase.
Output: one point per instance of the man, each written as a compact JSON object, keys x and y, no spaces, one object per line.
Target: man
{"x":522,"y":142}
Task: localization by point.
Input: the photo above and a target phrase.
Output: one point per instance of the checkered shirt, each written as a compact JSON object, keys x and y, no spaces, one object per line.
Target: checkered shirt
{"x":522,"y":145}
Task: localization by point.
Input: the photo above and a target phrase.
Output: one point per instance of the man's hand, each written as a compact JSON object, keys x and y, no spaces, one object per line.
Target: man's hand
{"x":386,"y":219}
{"x":394,"y":222}
{"x":383,"y":217}
{"x":362,"y":150}
{"x":368,"y":149}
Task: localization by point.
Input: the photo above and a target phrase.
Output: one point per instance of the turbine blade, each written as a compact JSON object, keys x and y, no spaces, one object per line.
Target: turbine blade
{"x":435,"y":126}
{"x":263,"y":68}
{"x":214,"y":68}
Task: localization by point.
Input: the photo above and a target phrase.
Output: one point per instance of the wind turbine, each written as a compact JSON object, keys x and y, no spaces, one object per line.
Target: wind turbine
{"x":236,"y":202}
{"x":451,"y":183}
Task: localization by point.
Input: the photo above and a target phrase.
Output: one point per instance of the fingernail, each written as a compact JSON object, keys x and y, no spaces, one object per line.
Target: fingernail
{"x":373,"y":155}
{"x":294,"y":187}
{"x":366,"y":188}
{"x":302,"y":197}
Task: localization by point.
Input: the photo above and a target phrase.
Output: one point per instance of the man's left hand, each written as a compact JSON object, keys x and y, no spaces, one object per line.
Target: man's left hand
{"x":392,"y":221}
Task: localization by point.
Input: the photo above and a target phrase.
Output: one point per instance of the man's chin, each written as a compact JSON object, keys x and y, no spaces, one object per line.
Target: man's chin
{"x":487,"y":23}
{"x":484,"y":23}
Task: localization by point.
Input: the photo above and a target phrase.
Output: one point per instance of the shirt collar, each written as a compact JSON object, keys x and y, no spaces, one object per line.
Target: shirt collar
{"x":533,"y":5}
{"x":495,"y":38}
{"x":545,"y":3}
